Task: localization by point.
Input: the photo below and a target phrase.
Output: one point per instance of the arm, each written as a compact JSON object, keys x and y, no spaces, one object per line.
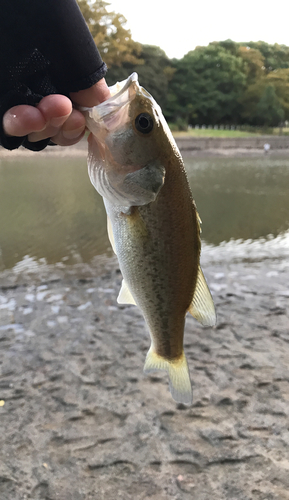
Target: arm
{"x":49,"y":51}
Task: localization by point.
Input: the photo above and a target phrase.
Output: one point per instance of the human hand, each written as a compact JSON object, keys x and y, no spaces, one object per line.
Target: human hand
{"x":54,"y":116}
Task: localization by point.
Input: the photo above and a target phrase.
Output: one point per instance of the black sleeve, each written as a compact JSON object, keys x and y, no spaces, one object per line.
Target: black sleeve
{"x":46,"y":48}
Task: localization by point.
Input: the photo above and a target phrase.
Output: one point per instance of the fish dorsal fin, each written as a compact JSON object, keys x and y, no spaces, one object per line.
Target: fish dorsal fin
{"x":125,"y":296}
{"x":202,"y":306}
{"x":110,"y":234}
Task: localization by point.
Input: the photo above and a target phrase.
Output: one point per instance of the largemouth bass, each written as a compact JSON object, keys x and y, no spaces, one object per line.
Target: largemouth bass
{"x":153,"y":224}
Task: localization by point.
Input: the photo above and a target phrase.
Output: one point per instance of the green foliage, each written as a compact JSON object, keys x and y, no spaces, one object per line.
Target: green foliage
{"x":154,"y":69}
{"x":279,"y":78}
{"x":231,"y":83}
{"x":269,"y":110}
{"x":224,"y":83}
{"x":275,"y":56}
{"x":266,"y":101}
{"x":253,"y":63}
{"x":206,"y":86}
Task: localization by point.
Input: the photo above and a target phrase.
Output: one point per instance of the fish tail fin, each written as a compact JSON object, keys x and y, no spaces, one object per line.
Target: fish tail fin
{"x":178,"y":372}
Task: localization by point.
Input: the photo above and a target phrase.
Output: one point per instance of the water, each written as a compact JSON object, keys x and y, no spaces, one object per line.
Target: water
{"x":49,"y":210}
{"x":244,"y":205}
{"x":51,"y":213}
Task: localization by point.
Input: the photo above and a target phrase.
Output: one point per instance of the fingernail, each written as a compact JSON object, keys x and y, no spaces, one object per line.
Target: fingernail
{"x":58,"y":121}
{"x":72,"y":134}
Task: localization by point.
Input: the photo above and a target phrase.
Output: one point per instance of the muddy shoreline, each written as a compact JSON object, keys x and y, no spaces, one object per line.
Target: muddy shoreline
{"x":80,"y":421}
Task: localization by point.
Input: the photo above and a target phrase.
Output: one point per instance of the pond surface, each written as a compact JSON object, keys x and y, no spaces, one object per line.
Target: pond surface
{"x":50,"y":211}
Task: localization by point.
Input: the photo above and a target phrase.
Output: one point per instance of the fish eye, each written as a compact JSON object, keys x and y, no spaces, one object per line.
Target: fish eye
{"x":144,"y":123}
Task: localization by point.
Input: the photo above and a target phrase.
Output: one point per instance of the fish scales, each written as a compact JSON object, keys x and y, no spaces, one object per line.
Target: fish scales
{"x":153,"y":224}
{"x":160,"y":267}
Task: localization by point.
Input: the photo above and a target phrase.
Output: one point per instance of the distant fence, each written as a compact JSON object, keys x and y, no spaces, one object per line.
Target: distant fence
{"x":203,"y":143}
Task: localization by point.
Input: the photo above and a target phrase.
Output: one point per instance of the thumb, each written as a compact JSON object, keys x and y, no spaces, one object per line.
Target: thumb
{"x":96,"y":94}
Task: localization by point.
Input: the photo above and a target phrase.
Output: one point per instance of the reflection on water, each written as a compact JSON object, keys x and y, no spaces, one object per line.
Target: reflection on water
{"x":50,"y":211}
{"x":244,"y":206}
{"x":240,"y":198}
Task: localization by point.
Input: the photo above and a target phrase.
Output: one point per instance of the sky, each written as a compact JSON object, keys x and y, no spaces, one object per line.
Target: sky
{"x":179,"y":26}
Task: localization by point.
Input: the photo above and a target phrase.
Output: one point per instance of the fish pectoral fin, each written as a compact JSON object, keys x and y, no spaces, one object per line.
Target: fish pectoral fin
{"x":202,"y":307}
{"x":125,"y":296}
{"x":178,"y":372}
{"x":110,"y":234}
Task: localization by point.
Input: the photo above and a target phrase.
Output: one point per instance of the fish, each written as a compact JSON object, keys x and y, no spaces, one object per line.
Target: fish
{"x":153,"y":224}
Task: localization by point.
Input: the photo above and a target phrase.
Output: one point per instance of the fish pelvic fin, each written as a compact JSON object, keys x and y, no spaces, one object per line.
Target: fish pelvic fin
{"x":178,"y":372}
{"x":202,"y":306}
{"x":125,"y":296}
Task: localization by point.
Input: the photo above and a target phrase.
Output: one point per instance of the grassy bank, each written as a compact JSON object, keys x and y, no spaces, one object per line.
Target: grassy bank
{"x":228,"y":133}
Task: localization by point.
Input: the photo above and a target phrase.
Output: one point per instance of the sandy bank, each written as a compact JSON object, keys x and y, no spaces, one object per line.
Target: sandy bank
{"x":80,"y":421}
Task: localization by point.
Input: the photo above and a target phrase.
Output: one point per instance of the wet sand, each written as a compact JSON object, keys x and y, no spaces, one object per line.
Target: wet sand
{"x":80,"y":421}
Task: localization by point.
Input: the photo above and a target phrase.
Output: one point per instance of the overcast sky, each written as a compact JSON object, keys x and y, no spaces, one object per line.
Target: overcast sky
{"x":179,"y":26}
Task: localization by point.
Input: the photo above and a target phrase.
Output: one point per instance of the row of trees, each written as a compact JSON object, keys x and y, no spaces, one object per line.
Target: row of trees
{"x":225,"y":82}
{"x":231,"y":83}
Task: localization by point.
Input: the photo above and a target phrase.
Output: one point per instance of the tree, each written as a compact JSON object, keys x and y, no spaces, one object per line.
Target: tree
{"x":261,"y":105}
{"x":229,"y":82}
{"x":113,"y":40}
{"x":206,"y":86}
{"x":154,"y":69}
{"x":269,"y":111}
{"x":279,"y":78}
{"x":254,"y":65}
{"x":275,"y":56}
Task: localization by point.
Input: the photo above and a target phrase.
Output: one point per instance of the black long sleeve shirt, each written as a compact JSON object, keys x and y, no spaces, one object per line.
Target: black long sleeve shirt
{"x":45,"y":48}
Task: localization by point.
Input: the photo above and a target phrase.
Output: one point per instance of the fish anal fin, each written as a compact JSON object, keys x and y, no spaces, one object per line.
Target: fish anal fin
{"x":178,"y":372}
{"x":202,"y":306}
{"x":125,"y":296}
{"x":110,"y":234}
